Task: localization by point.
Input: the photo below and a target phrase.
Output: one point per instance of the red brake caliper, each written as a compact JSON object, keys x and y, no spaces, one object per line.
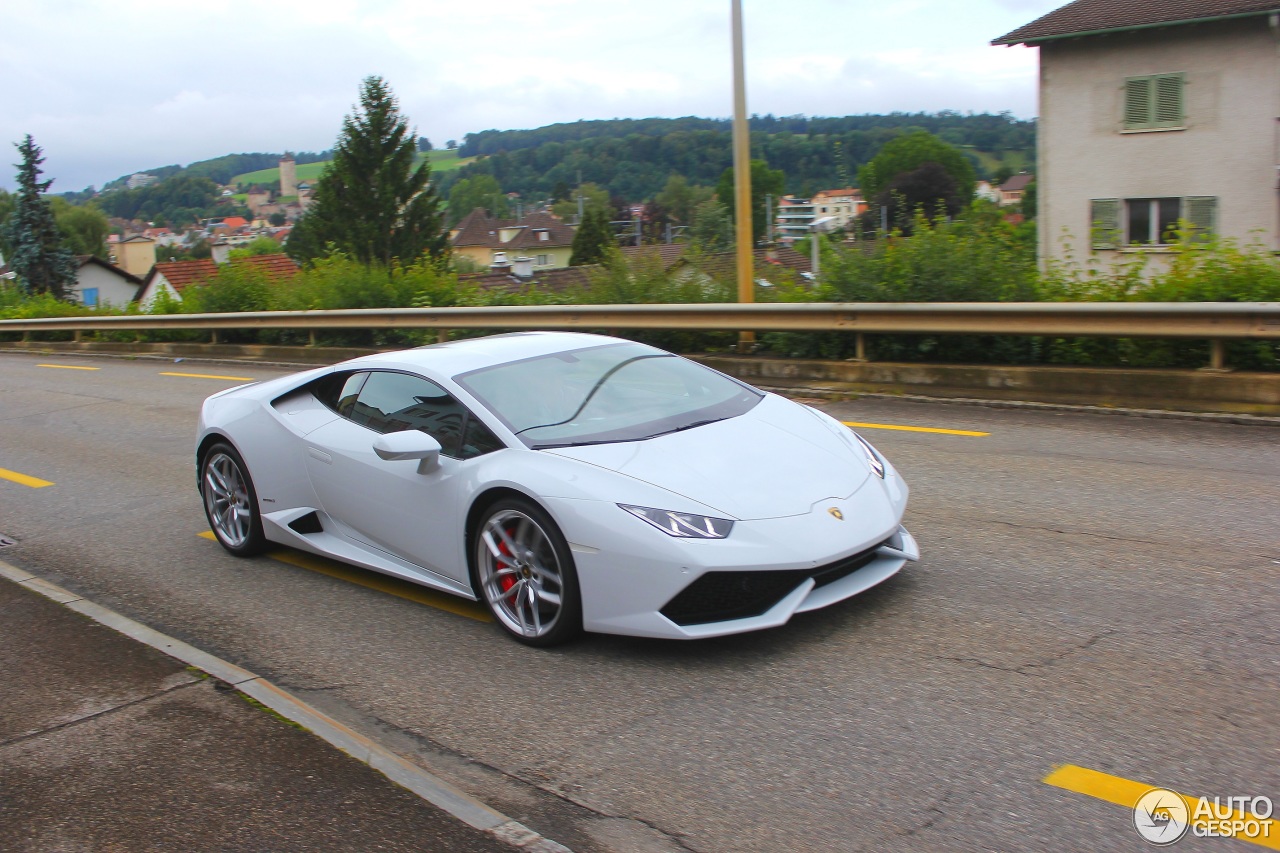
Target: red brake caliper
{"x":506,"y":581}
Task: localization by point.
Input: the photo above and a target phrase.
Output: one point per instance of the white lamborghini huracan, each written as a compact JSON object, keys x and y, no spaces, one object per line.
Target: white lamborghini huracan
{"x":569,"y":481}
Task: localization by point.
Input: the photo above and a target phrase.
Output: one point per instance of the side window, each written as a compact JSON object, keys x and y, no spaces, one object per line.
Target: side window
{"x":391,"y":402}
{"x":338,"y":391}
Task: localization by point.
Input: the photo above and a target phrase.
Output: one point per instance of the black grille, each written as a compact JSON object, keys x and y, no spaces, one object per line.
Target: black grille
{"x":721,"y":596}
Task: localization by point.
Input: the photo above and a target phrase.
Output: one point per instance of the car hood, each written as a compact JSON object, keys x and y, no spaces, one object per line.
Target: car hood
{"x":776,"y":460}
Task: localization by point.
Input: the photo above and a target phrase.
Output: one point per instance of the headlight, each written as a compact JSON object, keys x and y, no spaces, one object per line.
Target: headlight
{"x":682,"y":525}
{"x":873,"y":458}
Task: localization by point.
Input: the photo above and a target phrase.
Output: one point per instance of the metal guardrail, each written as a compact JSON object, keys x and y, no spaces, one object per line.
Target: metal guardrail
{"x":1214,"y":321}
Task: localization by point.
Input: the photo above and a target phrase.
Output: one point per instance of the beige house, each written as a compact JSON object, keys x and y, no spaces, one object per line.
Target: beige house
{"x":541,"y":240}
{"x":135,"y":255}
{"x":1154,"y":112}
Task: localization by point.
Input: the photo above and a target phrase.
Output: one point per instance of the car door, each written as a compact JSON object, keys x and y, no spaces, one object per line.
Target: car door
{"x":389,"y":505}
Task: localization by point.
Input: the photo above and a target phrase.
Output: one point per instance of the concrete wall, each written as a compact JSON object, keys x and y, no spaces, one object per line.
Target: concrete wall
{"x":1228,"y":148}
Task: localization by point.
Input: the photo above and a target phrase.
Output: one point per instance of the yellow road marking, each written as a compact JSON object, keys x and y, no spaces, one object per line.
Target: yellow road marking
{"x":33,"y":482}
{"x":67,"y":367}
{"x":1124,"y":792}
{"x":382,"y":583}
{"x":914,"y":428}
{"x":209,"y":376}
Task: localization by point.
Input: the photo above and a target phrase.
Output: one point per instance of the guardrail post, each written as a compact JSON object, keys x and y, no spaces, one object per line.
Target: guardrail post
{"x":859,"y":347}
{"x":442,"y":336}
{"x":1217,"y":355}
{"x":311,"y":338}
{"x":213,"y":336}
{"x":76,"y":337}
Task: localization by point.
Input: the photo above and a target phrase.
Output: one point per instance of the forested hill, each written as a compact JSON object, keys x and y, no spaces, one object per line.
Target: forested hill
{"x":633,"y":158}
{"x":221,"y":169}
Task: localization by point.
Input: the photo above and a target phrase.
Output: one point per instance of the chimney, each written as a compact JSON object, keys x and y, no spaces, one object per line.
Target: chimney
{"x":523,"y":268}
{"x":500,"y":262}
{"x":221,"y":252}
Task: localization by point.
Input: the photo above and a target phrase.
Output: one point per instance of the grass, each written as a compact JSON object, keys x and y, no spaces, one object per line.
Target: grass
{"x":441,"y":161}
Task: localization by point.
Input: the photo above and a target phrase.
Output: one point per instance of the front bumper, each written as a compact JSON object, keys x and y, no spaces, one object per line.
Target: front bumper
{"x":637,"y":581}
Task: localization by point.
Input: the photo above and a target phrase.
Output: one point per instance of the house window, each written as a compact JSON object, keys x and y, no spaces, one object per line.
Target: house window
{"x":1154,"y":102}
{"x":89,"y":296}
{"x":544,"y":260}
{"x":1149,"y":221}
{"x":544,"y":236}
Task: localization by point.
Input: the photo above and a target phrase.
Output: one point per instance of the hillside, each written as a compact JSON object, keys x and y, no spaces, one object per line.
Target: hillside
{"x":441,"y":161}
{"x":633,"y":158}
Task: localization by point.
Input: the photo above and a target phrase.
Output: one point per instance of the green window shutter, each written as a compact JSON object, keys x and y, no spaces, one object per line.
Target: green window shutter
{"x":1104,"y":222}
{"x":1167,"y":110}
{"x":1137,"y":103}
{"x":1201,"y":211}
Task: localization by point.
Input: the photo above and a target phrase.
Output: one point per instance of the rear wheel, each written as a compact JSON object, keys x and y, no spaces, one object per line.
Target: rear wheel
{"x":230,"y":502}
{"x":525,"y":574}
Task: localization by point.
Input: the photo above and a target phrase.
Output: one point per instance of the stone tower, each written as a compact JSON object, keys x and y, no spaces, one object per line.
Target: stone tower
{"x":288,"y":175}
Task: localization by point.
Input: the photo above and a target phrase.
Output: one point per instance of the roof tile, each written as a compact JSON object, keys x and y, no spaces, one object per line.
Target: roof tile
{"x":1092,"y":16}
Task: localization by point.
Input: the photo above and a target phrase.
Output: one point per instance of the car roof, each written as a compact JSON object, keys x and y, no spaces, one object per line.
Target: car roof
{"x":462,"y":356}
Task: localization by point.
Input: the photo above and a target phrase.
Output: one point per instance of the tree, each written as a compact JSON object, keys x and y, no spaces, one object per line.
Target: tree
{"x":424,"y":144}
{"x":371,"y":203}
{"x":594,"y":197}
{"x":84,"y":228}
{"x":42,"y":263}
{"x":682,"y":198}
{"x":930,"y":190}
{"x":477,"y":191}
{"x":909,"y":152}
{"x":764,"y":181}
{"x":593,"y":240}
{"x":7,"y":204}
{"x":712,"y":229}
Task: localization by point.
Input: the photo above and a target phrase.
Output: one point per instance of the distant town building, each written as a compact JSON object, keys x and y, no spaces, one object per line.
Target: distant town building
{"x":288,"y":176}
{"x":135,"y":255}
{"x":541,"y":239}
{"x":139,"y":179}
{"x":1012,"y":190}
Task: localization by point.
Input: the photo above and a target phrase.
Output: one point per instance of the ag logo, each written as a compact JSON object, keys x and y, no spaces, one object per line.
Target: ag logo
{"x":1160,"y":816}
{"x":839,"y":516}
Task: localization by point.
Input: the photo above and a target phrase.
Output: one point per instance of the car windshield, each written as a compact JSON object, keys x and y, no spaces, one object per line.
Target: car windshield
{"x":610,"y":393}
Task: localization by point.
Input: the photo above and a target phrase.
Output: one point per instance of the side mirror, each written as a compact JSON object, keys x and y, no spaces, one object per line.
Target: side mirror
{"x":409,"y":444}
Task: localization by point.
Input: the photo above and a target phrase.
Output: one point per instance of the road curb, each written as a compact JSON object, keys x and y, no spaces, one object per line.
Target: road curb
{"x":398,"y":769}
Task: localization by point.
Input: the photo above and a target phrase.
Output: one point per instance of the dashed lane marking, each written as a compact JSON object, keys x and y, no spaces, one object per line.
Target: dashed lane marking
{"x":373,"y":580}
{"x":904,"y":428}
{"x":67,"y":367}
{"x":209,"y":376}
{"x":1126,"y":793}
{"x":23,"y":479}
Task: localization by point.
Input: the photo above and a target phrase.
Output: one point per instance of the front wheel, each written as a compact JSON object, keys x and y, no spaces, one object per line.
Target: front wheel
{"x":525,"y":574}
{"x":230,"y":502}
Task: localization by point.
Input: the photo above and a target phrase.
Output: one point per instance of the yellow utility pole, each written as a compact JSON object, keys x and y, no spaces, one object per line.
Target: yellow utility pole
{"x":742,"y":179}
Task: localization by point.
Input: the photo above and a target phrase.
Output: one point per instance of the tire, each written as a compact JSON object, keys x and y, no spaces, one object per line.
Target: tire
{"x":230,"y":501}
{"x":524,"y":573}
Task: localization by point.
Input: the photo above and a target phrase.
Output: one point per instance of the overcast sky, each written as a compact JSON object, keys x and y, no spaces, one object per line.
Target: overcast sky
{"x":110,"y":88}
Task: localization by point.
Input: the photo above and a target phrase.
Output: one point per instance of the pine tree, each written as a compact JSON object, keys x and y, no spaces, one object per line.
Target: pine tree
{"x":38,"y":257}
{"x":371,"y":203}
{"x":593,"y":239}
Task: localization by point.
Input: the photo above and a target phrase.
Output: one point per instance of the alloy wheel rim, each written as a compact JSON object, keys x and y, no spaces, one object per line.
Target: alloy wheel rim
{"x":520,"y":575}
{"x":226,"y":497}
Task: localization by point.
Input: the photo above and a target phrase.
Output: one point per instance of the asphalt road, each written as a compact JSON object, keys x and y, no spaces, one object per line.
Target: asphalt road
{"x":1095,"y":590}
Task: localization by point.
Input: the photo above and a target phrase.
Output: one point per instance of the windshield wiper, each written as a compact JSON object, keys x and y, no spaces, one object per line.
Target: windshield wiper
{"x":594,"y":388}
